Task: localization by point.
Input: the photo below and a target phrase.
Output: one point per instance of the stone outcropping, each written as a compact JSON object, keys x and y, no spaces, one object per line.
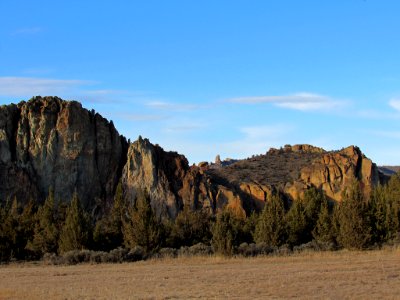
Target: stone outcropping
{"x":291,"y":170}
{"x":335,"y":171}
{"x":171,"y":183}
{"x":50,"y":143}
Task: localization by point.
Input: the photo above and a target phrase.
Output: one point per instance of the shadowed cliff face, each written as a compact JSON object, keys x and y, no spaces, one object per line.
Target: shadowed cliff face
{"x":47,"y":142}
{"x":50,"y":143}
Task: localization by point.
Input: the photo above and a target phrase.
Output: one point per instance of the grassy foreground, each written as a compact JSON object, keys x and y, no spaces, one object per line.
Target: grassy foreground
{"x":327,"y":275}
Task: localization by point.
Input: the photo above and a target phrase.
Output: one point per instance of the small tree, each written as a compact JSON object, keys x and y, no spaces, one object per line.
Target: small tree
{"x":354,"y":226}
{"x":8,"y":232}
{"x":75,"y":233}
{"x":189,"y":228}
{"x":392,"y":220}
{"x":107,"y":233}
{"x":323,"y":231}
{"x":16,"y":228}
{"x":379,"y":209}
{"x":270,"y":228}
{"x":45,"y":236}
{"x":297,"y":225}
{"x":225,"y":233}
{"x":142,"y":227}
{"x":313,"y":201}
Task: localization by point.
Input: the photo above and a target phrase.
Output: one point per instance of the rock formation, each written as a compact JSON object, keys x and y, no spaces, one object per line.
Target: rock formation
{"x":50,"y":143}
{"x":293,"y":169}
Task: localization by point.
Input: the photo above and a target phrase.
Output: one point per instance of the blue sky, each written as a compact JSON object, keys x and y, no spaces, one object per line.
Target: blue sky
{"x":216,"y":77}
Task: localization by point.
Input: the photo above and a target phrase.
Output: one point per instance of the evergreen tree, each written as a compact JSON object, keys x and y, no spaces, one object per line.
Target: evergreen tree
{"x":15,"y":229}
{"x":296,"y":223}
{"x":142,"y":227}
{"x":270,"y":228}
{"x":313,"y":201}
{"x":45,"y":236}
{"x":225,"y":233}
{"x":323,"y":231}
{"x":7,"y":232}
{"x":189,"y":228}
{"x":249,"y":227}
{"x":75,"y":233}
{"x":25,"y":231}
{"x":108,"y":234}
{"x":392,"y":220}
{"x":354,"y":227}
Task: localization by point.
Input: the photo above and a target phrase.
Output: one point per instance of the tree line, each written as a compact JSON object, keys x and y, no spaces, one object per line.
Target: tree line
{"x":355,"y":223}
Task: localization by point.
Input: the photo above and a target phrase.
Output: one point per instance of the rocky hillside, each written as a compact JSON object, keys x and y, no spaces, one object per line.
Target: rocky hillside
{"x":293,"y":169}
{"x":51,"y":143}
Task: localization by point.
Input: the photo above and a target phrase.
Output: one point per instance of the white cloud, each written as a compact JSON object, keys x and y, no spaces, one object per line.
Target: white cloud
{"x":162,"y":105}
{"x":184,"y":128}
{"x":395,"y":103}
{"x":27,"y":30}
{"x":264,"y":132}
{"x":298,"y":101}
{"x":142,"y":117}
{"x":29,"y":86}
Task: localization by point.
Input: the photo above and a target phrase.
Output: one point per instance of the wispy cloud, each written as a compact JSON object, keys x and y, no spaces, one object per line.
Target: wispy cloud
{"x":142,"y":117}
{"x":37,"y":71}
{"x":28,"y":86}
{"x":27,"y":30}
{"x":265,"y":131}
{"x":395,"y":103}
{"x":387,"y":134}
{"x":298,"y":101}
{"x":257,"y":140}
{"x":169,"y":106}
{"x":184,"y":128}
{"x":383,"y":113}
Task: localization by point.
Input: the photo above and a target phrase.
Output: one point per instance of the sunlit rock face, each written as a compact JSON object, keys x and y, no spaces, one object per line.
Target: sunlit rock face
{"x":50,"y":143}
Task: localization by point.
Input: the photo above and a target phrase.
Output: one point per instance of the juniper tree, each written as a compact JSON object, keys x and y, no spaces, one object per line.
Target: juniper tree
{"x":108,"y":234}
{"x":8,"y":222}
{"x":392,"y":220}
{"x":224,"y":233}
{"x":354,"y":227}
{"x":312,"y":201}
{"x":142,"y":227}
{"x":296,"y":224}
{"x":189,"y":228}
{"x":75,"y":233}
{"x":45,"y":236}
{"x":323,"y":231}
{"x":270,"y":228}
{"x":15,"y":229}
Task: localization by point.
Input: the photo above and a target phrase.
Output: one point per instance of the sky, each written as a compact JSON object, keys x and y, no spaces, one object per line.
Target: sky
{"x":203,"y":78}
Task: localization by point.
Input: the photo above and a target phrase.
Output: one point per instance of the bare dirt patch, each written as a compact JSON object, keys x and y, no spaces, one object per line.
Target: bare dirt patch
{"x":330,"y":275}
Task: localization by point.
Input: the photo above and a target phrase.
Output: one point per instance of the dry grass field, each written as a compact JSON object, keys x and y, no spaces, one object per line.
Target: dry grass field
{"x":331,"y":275}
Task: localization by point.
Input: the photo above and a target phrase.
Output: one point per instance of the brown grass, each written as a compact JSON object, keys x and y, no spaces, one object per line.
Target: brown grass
{"x":330,"y":275}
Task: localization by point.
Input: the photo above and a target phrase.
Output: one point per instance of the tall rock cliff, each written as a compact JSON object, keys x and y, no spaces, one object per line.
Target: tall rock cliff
{"x":50,"y":143}
{"x":167,"y":177}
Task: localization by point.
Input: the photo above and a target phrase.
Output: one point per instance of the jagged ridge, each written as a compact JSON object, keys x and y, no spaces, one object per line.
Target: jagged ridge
{"x":51,"y":143}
